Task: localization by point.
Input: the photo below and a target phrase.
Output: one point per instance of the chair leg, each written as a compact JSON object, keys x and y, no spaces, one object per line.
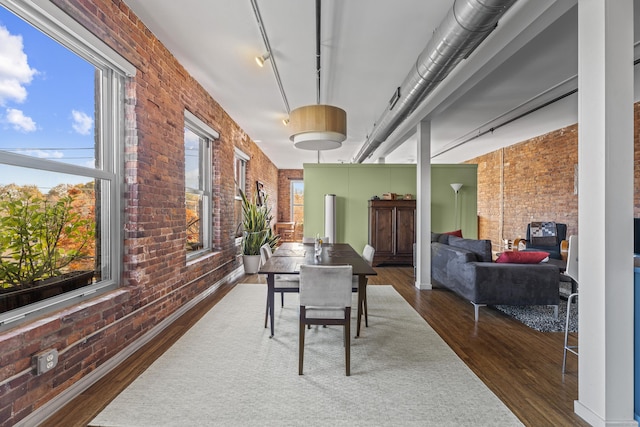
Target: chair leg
{"x":566,"y":333}
{"x":347,"y":338}
{"x":282,"y":299}
{"x":301,"y":347}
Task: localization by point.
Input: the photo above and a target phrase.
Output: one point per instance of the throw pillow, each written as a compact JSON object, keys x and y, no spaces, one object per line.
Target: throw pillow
{"x":457,"y":233}
{"x":527,"y":257}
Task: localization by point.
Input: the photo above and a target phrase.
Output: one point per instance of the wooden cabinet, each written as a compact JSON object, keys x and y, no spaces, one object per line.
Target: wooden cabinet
{"x":392,"y":226}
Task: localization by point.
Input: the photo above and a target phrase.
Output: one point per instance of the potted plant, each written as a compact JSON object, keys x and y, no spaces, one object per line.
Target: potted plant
{"x":256,"y":231}
{"x":42,"y":245}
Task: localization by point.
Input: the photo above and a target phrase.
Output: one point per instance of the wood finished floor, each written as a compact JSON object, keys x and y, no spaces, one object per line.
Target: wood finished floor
{"x":521,"y":366}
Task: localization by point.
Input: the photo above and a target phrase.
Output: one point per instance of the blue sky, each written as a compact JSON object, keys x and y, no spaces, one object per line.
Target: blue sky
{"x":46,"y":98}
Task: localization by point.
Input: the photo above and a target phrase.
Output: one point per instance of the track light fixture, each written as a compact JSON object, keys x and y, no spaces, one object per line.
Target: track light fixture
{"x":261,"y":59}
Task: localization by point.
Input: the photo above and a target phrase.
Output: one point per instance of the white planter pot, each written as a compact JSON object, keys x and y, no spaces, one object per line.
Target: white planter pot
{"x":251,"y":263}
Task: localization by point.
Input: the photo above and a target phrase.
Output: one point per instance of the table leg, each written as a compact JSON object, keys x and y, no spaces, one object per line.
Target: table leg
{"x":362,"y":289}
{"x":270,"y":299}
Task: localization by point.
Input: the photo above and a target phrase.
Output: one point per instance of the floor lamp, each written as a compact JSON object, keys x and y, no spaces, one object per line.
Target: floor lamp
{"x":456,"y":188}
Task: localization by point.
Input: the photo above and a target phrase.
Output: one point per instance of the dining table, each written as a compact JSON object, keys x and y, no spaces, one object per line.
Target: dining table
{"x":289,"y":256}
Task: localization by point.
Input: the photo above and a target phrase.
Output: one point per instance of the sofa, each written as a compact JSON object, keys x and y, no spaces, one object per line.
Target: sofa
{"x":465,"y":266}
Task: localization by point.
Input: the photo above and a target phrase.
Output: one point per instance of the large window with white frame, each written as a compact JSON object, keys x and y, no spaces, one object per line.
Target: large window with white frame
{"x":61,"y":109}
{"x":198,"y":138}
{"x":240,"y":179}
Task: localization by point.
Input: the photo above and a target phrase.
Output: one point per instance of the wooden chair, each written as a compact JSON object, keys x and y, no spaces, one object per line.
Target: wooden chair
{"x":325,"y":299}
{"x":553,"y":243}
{"x":286,"y":230}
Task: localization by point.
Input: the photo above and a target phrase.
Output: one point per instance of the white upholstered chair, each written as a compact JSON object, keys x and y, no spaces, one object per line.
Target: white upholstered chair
{"x":367,"y":253}
{"x":572,"y":272}
{"x":283,"y":282}
{"x":325,"y":299}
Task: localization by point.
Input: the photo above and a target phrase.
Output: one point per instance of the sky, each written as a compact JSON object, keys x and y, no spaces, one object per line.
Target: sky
{"x":46,"y":101}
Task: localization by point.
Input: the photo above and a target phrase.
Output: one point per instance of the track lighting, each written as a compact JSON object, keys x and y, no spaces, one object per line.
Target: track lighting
{"x":261,"y":59}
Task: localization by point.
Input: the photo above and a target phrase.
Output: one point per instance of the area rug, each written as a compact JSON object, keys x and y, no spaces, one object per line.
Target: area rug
{"x":541,"y":317}
{"x":227,"y":371}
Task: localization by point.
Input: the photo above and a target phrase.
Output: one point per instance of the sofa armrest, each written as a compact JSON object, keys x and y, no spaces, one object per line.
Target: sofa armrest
{"x":511,"y":284}
{"x":444,"y":259}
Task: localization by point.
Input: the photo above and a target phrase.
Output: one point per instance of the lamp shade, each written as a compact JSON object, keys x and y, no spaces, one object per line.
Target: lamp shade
{"x":456,"y":186}
{"x":318,"y":127}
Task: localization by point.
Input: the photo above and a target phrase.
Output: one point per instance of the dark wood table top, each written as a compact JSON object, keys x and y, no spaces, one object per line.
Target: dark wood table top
{"x":289,"y":256}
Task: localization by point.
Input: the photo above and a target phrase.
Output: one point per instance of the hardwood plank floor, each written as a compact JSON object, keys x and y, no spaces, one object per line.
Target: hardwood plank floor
{"x":521,"y":366}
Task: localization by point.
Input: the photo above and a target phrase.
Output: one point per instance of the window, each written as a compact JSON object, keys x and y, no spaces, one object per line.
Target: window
{"x":197,"y":184}
{"x":240,"y":173}
{"x":297,"y":201}
{"x":61,"y":112}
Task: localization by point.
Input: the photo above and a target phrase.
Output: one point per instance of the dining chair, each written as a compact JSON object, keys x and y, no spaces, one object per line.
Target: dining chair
{"x":325,"y":299}
{"x":367,"y":253}
{"x":572,"y":272}
{"x":283,"y":282}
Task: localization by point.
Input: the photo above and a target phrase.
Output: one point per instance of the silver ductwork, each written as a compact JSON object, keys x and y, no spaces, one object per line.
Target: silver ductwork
{"x":466,"y":25}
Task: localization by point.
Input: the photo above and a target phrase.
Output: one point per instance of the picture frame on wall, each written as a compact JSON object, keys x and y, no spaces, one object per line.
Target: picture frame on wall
{"x":262,"y":194}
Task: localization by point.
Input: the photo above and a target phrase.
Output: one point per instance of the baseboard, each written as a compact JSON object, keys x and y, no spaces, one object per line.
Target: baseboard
{"x":51,"y":407}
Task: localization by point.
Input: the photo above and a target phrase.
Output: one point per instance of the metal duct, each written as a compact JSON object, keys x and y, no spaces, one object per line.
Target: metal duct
{"x":466,"y":25}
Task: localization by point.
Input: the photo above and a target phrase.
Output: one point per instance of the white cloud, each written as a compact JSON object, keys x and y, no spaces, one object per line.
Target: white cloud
{"x":82,"y":123}
{"x":42,"y":154}
{"x":15,"y":71}
{"x":19,"y":121}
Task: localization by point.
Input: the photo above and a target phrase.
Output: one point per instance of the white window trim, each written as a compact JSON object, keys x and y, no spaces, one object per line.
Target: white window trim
{"x":239,"y":154}
{"x":204,"y":131}
{"x":63,"y":28}
{"x":55,"y":23}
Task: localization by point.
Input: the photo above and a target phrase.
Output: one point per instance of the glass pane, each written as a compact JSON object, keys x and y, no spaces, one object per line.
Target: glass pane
{"x":298,"y":214}
{"x":192,"y":160}
{"x":194,"y":203}
{"x":47,"y":95}
{"x":297,"y":192}
{"x":49,"y":219}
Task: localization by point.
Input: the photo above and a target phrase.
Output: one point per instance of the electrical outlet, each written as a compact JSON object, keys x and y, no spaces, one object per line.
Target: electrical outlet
{"x":46,"y":361}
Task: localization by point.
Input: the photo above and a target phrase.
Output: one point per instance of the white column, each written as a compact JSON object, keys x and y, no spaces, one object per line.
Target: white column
{"x":423,"y":206}
{"x":605,"y":158}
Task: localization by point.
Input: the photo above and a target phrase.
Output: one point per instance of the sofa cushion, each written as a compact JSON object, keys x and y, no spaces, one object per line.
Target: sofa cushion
{"x":440,"y":238}
{"x":457,"y":233}
{"x":528,"y":257}
{"x":481,"y":248}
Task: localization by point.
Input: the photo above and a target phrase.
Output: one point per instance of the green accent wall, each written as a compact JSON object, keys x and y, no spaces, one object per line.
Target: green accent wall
{"x":355,"y":184}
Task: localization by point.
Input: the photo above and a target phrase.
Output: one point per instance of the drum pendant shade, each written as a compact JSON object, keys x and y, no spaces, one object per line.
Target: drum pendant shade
{"x":318,"y":127}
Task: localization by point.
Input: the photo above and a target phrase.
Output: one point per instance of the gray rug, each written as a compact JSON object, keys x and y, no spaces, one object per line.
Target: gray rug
{"x":227,"y":371}
{"x":540,"y":317}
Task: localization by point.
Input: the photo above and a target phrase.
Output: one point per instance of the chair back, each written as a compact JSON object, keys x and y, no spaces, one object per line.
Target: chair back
{"x":265,"y":253}
{"x":368,"y":253}
{"x":572,"y":258}
{"x":546,"y":236}
{"x":325,"y":285}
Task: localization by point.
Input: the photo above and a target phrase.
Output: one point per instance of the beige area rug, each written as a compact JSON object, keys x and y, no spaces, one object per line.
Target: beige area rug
{"x":226,"y":371}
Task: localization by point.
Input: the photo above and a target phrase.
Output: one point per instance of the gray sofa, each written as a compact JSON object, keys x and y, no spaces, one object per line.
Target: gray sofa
{"x":465,"y":266}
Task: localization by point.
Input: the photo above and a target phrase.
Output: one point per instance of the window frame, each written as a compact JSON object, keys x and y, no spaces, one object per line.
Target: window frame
{"x":292,"y":204}
{"x":207,"y":135}
{"x":114,"y":72}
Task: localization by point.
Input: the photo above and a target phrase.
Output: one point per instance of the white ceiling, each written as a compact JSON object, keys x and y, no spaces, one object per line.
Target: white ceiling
{"x":368,"y":48}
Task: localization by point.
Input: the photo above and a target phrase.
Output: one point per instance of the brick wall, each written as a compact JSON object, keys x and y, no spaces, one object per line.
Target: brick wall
{"x":535,"y":180}
{"x":285,"y":176}
{"x":530,"y":181}
{"x":156,"y":279}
